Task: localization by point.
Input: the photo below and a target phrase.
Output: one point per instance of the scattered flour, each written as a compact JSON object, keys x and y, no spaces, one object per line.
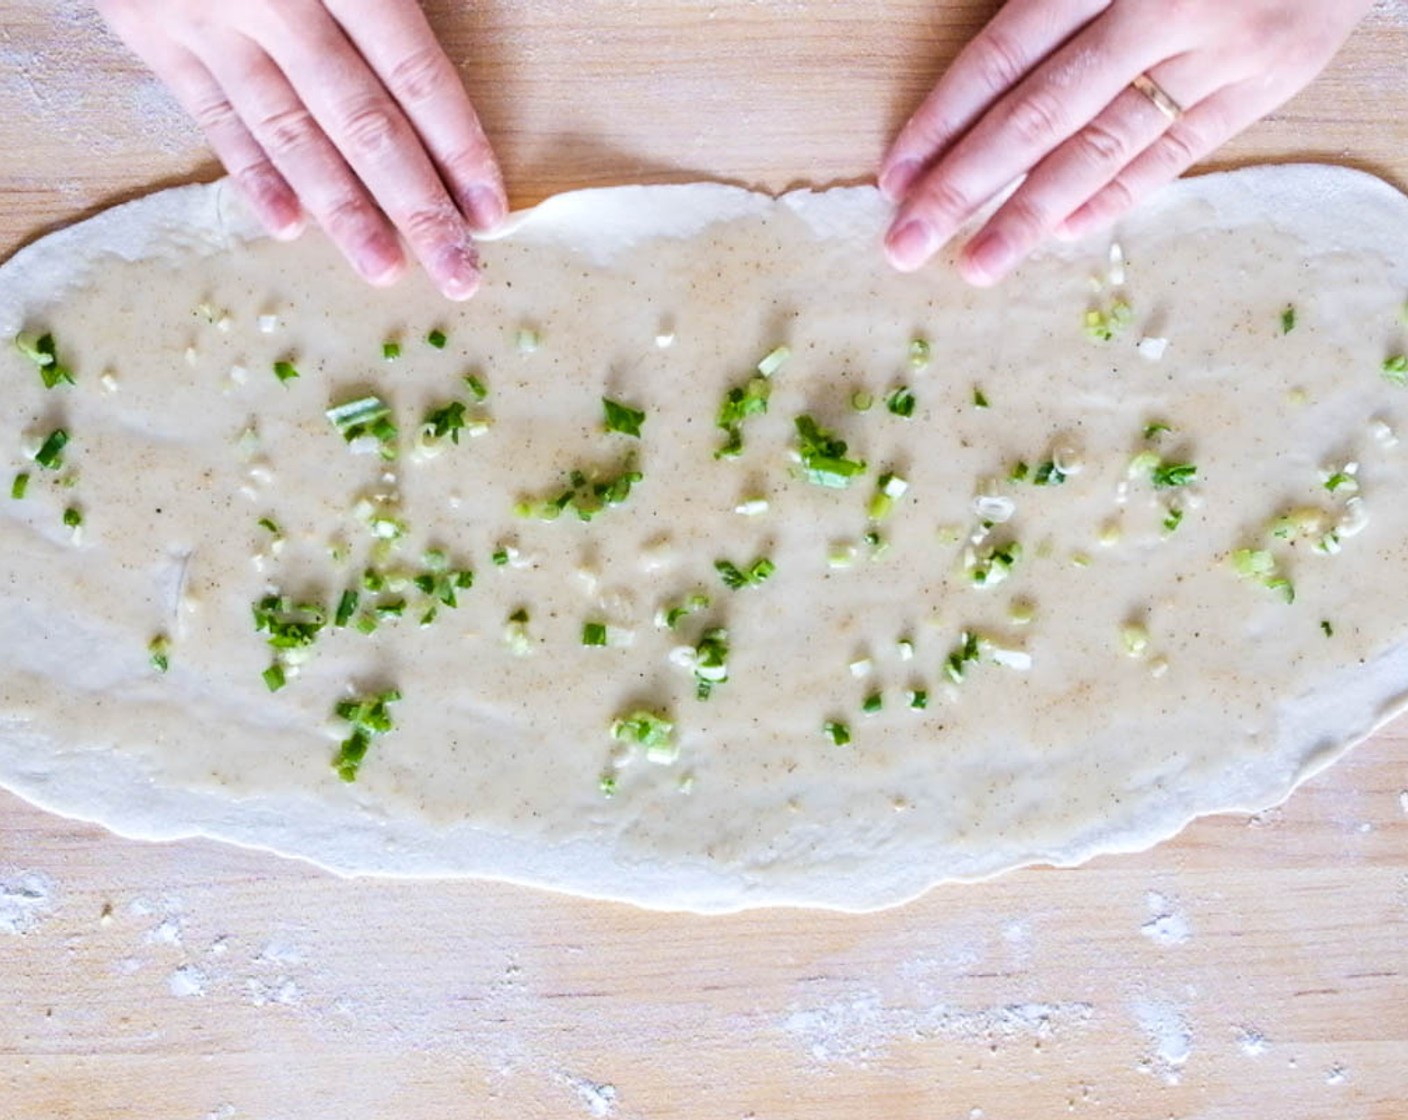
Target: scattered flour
{"x":26,"y":899}
{"x":1252,"y":1042}
{"x":187,"y":981}
{"x":863,"y":1028}
{"x":597,"y":1098}
{"x":1168,"y":1032}
{"x":1166,"y":926}
{"x":1403,"y":801}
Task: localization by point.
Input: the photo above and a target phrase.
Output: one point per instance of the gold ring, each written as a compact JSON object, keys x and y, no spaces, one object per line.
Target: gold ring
{"x":1158,"y":96}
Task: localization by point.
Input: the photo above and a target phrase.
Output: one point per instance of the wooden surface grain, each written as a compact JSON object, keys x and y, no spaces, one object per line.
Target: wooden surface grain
{"x":1252,"y":968}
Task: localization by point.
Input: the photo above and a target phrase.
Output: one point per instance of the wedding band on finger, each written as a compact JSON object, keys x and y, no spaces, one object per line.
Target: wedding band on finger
{"x":1159,"y":97}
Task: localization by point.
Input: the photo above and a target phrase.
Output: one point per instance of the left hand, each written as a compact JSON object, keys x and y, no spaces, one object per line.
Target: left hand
{"x":1045,"y":91}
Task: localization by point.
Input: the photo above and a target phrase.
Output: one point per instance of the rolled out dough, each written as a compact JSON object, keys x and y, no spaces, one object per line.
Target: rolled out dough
{"x":1125,"y":676}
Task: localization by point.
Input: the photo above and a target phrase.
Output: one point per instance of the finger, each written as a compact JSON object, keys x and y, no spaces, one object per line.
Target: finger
{"x":357,"y":114}
{"x":284,"y":128}
{"x":1080,"y":167}
{"x":198,"y":93}
{"x":1021,"y":34}
{"x":1204,"y":128}
{"x":402,"y":49}
{"x":1060,"y":97}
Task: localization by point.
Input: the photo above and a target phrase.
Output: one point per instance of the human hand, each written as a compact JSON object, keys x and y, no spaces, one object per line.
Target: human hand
{"x":345,"y":109}
{"x":1045,"y":91}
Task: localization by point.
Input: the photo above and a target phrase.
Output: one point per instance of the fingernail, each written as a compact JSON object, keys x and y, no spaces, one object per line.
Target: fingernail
{"x":911,"y":245}
{"x":484,"y":207}
{"x":380,"y":260}
{"x":286,"y":222}
{"x":898,"y":178}
{"x":988,"y":259}
{"x":457,"y":272}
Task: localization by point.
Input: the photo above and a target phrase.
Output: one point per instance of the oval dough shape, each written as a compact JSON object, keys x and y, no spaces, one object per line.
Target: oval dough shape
{"x":1118,"y":544}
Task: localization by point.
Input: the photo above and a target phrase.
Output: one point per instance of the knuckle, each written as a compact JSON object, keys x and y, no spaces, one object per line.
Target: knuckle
{"x":288,"y":132}
{"x":214,"y":114}
{"x":1101,"y":145}
{"x":1001,"y":61}
{"x":421,"y":76}
{"x":1026,"y":219}
{"x":371,"y":129}
{"x":470,"y":164}
{"x":1037,"y":119}
{"x":941,"y":197}
{"x":1180,"y":148}
{"x":262,"y":184}
{"x":432,"y":224}
{"x":349,"y":220}
{"x":1115,"y":199}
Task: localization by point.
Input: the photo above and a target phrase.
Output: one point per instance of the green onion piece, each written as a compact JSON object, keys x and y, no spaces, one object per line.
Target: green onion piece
{"x":823,"y":456}
{"x":73,"y":517}
{"x":285,"y":371}
{"x":159,"y":652}
{"x":1168,"y":475}
{"x":1283,"y":587}
{"x":500,"y":557}
{"x":711,"y":662}
{"x":528,"y":340}
{"x":1156,"y":429}
{"x":365,"y":416}
{"x":346,"y":608}
{"x":447,"y":420}
{"x":979,"y":400}
{"x":1106,"y":325}
{"x":50,"y":455}
{"x":736,"y":578}
{"x":1253,"y":563}
{"x":653,"y":732}
{"x":436,"y":339}
{"x":19,"y":486}
{"x":837,"y":732}
{"x":774,"y":360}
{"x":270,"y":524}
{"x":1327,"y":628}
{"x":594,"y":634}
{"x":1019,"y":472}
{"x":607,"y":783}
{"x":901,"y":402}
{"x":1340,"y":478}
{"x":861,"y":401}
{"x":1288,"y":319}
{"x":274,"y":677}
{"x":1048,"y":474}
{"x":477,"y":389}
{"x":918,"y":699}
{"x":873,"y":703}
{"x":43,"y":352}
{"x":739,"y":403}
{"x":1173,"y":519}
{"x":1395,"y":369}
{"x":622,"y":418}
{"x":390,"y":350}
{"x":920,"y":353}
{"x":367,"y":717}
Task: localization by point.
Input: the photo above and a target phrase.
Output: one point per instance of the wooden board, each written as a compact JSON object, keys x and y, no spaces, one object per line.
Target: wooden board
{"x":1252,"y":968}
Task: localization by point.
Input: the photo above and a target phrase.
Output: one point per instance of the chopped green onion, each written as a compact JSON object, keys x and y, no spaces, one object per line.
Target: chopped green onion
{"x":1106,"y":325}
{"x":654,"y":733}
{"x":1395,"y":369}
{"x":991,"y":567}
{"x":1019,"y":472}
{"x":918,"y":699}
{"x":1048,"y":474}
{"x":736,"y":578}
{"x":901,"y":402}
{"x":73,"y":517}
{"x":50,"y":455}
{"x":19,"y":486}
{"x":274,"y":677}
{"x":838,"y":733}
{"x":668,"y":617}
{"x":1341,"y":479}
{"x":1327,"y":628}
{"x":586,"y":497}
{"x":739,"y":403}
{"x":43,"y":352}
{"x":823,"y":456}
{"x":979,"y":400}
{"x":1168,"y":475}
{"x":889,"y":488}
{"x":873,"y":703}
{"x":346,"y":608}
{"x":436,"y":339}
{"x":1134,"y":636}
{"x":920,"y":353}
{"x":622,"y":418}
{"x":285,"y":371}
{"x":710,"y":662}
{"x":477,"y":389}
{"x":1283,"y":587}
{"x":447,"y":420}
{"x":516,"y":635}
{"x":594,"y":634}
{"x":159,"y":652}
{"x":390,"y":350}
{"x":969,"y":650}
{"x":1288,"y":319}
{"x":368,"y":717}
{"x":861,"y":401}
{"x":1156,"y":429}
{"x":774,"y":360}
{"x":270,"y":524}
{"x":1253,"y":563}
{"x":607,"y":783}
{"x":500,"y":558}
{"x":1173,"y":519}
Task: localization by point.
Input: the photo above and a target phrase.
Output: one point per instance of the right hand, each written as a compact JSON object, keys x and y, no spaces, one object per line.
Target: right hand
{"x":346,"y":110}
